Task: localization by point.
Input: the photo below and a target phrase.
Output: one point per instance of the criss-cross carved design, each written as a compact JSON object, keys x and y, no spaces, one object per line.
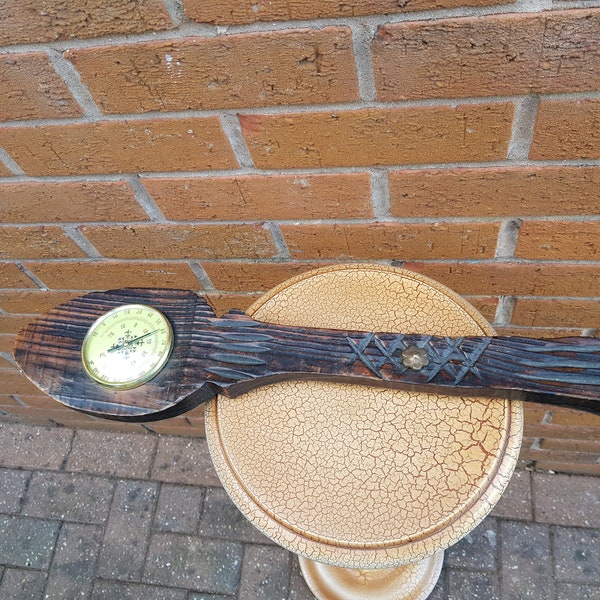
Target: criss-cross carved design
{"x":374,"y":363}
{"x":455,"y":358}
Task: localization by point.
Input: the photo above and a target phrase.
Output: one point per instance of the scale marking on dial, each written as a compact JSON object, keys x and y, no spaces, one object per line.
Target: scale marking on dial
{"x":127,"y":346}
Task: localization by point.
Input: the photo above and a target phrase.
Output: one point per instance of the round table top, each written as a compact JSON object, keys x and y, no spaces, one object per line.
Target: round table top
{"x":358,"y":476}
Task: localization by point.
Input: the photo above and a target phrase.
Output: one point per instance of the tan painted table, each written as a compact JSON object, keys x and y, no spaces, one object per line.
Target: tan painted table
{"x":367,"y":485}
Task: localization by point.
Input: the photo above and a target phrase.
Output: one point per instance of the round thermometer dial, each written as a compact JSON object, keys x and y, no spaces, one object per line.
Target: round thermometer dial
{"x":127,"y":346}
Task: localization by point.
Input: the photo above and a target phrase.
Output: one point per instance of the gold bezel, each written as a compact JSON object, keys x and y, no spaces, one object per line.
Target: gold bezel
{"x":138,"y":381}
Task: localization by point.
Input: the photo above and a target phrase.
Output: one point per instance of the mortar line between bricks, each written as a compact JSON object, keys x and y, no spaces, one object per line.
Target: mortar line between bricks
{"x":51,"y":562}
{"x":290,"y":109}
{"x":381,"y":204}
{"x":276,"y":260}
{"x":333,"y":170}
{"x":74,"y":233}
{"x":144,"y":199}
{"x":69,"y":74}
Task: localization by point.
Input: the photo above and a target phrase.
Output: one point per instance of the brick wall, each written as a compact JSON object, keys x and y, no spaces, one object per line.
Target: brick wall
{"x":226,"y":145}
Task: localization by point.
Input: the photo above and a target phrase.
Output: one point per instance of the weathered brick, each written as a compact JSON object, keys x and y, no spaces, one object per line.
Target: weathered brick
{"x":27,"y":542}
{"x":486,"y":306}
{"x":222,"y":303}
{"x":33,"y":447}
{"x":515,"y":502}
{"x":96,"y":275}
{"x":181,"y":460}
{"x":72,"y":569}
{"x":251,"y":70}
{"x":580,"y":507}
{"x":566,"y":416}
{"x":249,"y":11}
{"x":526,"y":560}
{"x":179,"y":508}
{"x":13,"y":382}
{"x":568,"y":467}
{"x":182,"y":241}
{"x":21,"y":583}
{"x":265,"y":572}
{"x":576,"y":553}
{"x":532,"y":312}
{"x":222,"y":519}
{"x":13,"y":323}
{"x":513,"y":279}
{"x":478,"y":549}
{"x":13,"y":485}
{"x":7,"y":342}
{"x":119,"y":146}
{"x":253,"y":197}
{"x":128,"y":528}
{"x":566,"y":129}
{"x":109,"y":590}
{"x":114,"y":454}
{"x":4,"y":171}
{"x":559,"y":240}
{"x":473,"y":586}
{"x":31,"y":89}
{"x":37,"y":242}
{"x":77,"y":201}
{"x":379,"y":136}
{"x":518,"y":191}
{"x":26,"y":21}
{"x":32,"y":302}
{"x":12,"y":277}
{"x":497,"y":55}
{"x":194,"y":563}
{"x":391,"y":240}
{"x":248,"y":277}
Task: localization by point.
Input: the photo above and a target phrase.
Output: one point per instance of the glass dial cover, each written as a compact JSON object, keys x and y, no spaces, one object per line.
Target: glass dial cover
{"x":127,"y":346}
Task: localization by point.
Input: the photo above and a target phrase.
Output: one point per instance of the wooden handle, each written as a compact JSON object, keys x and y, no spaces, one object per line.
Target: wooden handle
{"x":233,"y":354}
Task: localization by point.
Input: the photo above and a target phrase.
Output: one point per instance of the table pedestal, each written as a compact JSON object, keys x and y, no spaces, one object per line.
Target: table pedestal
{"x":408,"y":582}
{"x":364,"y":478}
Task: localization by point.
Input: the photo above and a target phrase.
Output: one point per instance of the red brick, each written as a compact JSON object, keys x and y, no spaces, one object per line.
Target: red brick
{"x":552,"y":312}
{"x":250,"y":11}
{"x":233,"y":276}
{"x":12,"y":277}
{"x":120,"y":147}
{"x":538,"y":332}
{"x":31,"y":89}
{"x":13,"y":323}
{"x":275,"y":197}
{"x":517,"y":191}
{"x":291,"y":67}
{"x":486,"y":306}
{"x":559,"y":240}
{"x":4,"y":172}
{"x":37,"y":242}
{"x":25,"y":21}
{"x":498,"y":55}
{"x":94,"y":275}
{"x":15,"y":383}
{"x":379,"y":136}
{"x":77,"y":201}
{"x":570,"y":467}
{"x":222,"y":303}
{"x":7,"y":342}
{"x":574,"y":418}
{"x":182,"y":241}
{"x":566,"y":129}
{"x":514,"y":279}
{"x":392,"y":241}
{"x":32,"y":301}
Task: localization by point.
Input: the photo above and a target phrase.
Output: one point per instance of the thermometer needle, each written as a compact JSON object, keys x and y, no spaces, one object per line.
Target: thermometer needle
{"x":117,"y":347}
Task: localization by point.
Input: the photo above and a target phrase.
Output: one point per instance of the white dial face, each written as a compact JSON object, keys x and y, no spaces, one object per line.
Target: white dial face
{"x":127,"y":346}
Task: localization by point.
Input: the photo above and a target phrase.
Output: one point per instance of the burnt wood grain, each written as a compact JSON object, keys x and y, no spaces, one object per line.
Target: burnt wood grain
{"x":233,"y":354}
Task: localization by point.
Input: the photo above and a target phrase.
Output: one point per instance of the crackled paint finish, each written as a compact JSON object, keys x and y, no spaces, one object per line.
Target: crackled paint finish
{"x":357,"y":476}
